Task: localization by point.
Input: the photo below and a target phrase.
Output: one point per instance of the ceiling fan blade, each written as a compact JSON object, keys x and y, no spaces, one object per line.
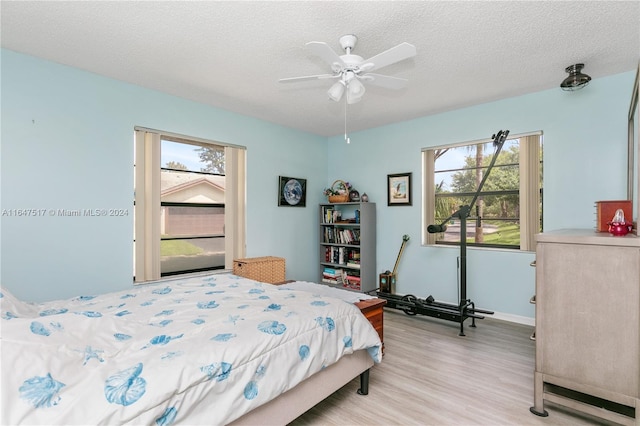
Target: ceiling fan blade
{"x":325,"y":52}
{"x":391,"y":56}
{"x":365,"y":67}
{"x":308,"y":77}
{"x":384,"y":81}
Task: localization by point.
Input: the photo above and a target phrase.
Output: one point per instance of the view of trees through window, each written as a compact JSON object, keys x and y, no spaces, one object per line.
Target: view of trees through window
{"x":192,"y":207}
{"x":495,"y":218}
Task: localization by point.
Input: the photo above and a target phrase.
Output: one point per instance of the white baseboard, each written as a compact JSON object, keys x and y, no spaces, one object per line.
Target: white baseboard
{"x":513,"y":318}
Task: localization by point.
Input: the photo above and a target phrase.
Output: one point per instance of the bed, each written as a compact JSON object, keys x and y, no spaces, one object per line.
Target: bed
{"x":212,"y":350}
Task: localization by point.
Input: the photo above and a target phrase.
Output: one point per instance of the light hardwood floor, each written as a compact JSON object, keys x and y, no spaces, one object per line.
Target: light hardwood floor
{"x":431,"y":376}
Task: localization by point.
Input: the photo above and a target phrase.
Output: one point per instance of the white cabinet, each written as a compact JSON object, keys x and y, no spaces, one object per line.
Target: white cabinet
{"x":588,"y":324}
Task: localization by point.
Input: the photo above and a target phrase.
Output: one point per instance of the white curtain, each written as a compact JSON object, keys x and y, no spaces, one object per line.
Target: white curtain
{"x":235,"y":202}
{"x":529,"y":185}
{"x":429,"y":196}
{"x":147,"y":206}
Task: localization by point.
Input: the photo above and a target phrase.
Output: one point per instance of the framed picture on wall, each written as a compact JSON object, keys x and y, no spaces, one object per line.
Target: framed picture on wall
{"x":399,"y":189}
{"x":292,"y":192}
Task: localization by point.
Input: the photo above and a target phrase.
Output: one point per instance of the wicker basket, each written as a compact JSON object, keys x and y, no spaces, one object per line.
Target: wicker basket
{"x":340,"y":198}
{"x":267,"y":269}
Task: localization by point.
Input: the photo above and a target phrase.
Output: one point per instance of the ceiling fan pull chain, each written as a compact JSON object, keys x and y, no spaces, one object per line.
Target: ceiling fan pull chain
{"x":346,"y":138}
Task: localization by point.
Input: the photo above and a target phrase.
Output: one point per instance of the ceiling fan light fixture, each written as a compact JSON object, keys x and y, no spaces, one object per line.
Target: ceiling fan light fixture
{"x":336,"y":91}
{"x":576,"y":80}
{"x":355,"y":91}
{"x":352,"y":70}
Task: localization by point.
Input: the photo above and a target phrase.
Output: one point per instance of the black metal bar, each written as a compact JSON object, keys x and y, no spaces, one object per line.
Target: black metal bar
{"x":364,"y":383}
{"x":470,"y":194}
{"x":463,"y":213}
{"x":181,"y":204}
{"x":189,"y":271}
{"x":500,"y":137}
{"x":475,"y":167}
{"x":498,"y":142}
{"x":192,"y":237}
{"x":505,"y":246}
{"x":198,"y":172}
{"x":473,"y":320}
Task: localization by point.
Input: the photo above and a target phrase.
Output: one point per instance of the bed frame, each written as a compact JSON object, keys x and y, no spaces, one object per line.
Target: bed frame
{"x":296,"y":401}
{"x":305,"y":395}
{"x":293,"y":403}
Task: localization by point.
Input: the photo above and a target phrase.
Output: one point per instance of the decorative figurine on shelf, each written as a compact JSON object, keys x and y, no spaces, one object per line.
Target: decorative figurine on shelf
{"x":618,"y":225}
{"x":354,"y":195}
{"x":364,"y":198}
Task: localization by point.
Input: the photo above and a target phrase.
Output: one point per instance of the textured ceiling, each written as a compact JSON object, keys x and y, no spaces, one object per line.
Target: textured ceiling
{"x":230,"y":54}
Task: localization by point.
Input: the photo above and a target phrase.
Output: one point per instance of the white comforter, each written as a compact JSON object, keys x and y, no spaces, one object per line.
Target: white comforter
{"x":152,"y":354}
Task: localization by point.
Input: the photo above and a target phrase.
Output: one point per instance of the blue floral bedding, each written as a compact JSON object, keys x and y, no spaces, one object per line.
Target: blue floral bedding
{"x":152,"y":354}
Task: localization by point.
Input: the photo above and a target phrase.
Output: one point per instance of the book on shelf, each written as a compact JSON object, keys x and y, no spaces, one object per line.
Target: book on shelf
{"x":333,"y":276}
{"x":349,"y":236}
{"x":342,"y":256}
{"x":330,"y":215}
{"x":352,"y":282}
{"x":332,"y":272}
{"x":329,"y":235}
{"x":333,"y":235}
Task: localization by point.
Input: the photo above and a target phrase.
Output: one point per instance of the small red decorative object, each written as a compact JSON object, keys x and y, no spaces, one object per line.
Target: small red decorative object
{"x":620,"y":228}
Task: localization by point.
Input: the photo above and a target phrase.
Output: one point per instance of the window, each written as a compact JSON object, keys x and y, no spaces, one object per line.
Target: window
{"x":189,"y":205}
{"x":192,"y":186}
{"x":507,"y":212}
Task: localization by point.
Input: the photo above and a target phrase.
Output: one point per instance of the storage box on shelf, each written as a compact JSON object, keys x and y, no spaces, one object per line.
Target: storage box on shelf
{"x":348,"y":245}
{"x":268,"y":269}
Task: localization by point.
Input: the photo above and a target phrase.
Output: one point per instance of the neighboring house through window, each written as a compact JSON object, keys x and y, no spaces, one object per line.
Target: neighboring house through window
{"x":507,"y":212}
{"x":187,"y":214}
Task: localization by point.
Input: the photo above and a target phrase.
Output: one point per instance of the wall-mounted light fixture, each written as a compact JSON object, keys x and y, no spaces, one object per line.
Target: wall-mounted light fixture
{"x":576,"y":79}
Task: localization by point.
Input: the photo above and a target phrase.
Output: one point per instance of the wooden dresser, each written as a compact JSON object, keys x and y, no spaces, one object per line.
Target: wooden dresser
{"x":588,"y":324}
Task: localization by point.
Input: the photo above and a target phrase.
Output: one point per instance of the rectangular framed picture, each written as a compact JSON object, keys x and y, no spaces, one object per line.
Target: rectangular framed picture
{"x":292,"y":192}
{"x":399,"y":189}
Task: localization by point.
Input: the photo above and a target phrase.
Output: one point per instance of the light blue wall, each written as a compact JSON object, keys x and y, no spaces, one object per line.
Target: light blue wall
{"x":67,"y":143}
{"x":585,"y":143}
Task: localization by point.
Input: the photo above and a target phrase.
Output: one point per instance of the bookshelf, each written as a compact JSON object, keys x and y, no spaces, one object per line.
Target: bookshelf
{"x":348,"y":246}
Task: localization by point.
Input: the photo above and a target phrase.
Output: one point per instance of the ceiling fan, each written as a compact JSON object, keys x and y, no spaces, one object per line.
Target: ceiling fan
{"x":352,"y":70}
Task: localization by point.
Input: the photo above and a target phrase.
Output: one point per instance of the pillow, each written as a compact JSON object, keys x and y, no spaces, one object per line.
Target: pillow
{"x":12,"y":307}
